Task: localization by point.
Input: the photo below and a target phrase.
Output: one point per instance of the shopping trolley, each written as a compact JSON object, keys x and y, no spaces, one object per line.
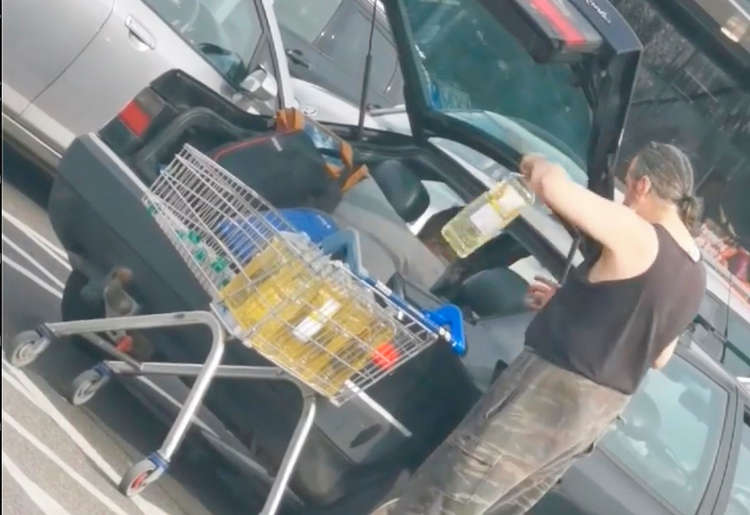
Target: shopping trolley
{"x":324,"y":324}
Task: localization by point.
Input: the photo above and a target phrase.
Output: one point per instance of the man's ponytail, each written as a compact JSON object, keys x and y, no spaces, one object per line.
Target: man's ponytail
{"x":691,"y":209}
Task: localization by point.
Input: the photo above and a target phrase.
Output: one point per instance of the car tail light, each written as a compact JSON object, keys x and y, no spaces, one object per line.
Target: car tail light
{"x":135,"y":118}
{"x":561,"y":22}
{"x":138,"y":120}
{"x":550,"y":30}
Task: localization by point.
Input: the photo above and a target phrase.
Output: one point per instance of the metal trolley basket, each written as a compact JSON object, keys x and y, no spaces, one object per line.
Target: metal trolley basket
{"x":327,"y":327}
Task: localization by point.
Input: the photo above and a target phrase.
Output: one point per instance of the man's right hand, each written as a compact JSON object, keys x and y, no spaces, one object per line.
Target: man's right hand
{"x":540,"y":292}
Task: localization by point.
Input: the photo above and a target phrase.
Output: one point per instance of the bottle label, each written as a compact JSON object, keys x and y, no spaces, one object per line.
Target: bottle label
{"x":315,"y":321}
{"x":487,"y":220}
{"x":510,"y":201}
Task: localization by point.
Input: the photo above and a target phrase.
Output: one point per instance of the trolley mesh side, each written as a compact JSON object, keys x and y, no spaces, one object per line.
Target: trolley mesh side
{"x":280,"y":294}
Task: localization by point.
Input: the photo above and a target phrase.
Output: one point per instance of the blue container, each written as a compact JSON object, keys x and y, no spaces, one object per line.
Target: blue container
{"x":238,"y":236}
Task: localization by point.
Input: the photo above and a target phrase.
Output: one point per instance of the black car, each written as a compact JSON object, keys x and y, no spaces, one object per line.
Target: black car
{"x":353,"y":458}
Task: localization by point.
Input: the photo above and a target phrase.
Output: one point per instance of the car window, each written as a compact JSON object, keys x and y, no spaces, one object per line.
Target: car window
{"x":472,"y":68}
{"x":739,"y":495}
{"x":346,"y":43}
{"x":727,"y":321}
{"x":305,"y":18}
{"x":225,"y":32}
{"x":669,"y":434}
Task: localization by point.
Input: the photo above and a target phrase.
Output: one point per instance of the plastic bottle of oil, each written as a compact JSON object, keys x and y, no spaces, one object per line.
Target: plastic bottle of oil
{"x":487,"y":215}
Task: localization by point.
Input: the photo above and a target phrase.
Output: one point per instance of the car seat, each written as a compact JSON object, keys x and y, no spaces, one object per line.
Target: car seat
{"x":497,"y":291}
{"x":388,"y":246}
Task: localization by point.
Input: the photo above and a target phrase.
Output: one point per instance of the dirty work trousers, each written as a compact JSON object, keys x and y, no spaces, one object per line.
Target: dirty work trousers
{"x":515,"y":444}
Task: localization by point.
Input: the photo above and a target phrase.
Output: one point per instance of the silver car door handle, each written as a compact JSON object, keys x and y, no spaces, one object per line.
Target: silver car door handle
{"x":139,"y":32}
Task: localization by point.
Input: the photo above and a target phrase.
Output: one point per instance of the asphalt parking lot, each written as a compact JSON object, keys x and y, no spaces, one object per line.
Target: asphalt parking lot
{"x":58,"y":458}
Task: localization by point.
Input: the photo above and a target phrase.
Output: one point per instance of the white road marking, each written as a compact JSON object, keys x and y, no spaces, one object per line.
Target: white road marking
{"x":37,"y":494}
{"x":53,"y":250}
{"x":33,"y":440}
{"x":52,"y":277}
{"x":31,"y":276}
{"x":27,"y":388}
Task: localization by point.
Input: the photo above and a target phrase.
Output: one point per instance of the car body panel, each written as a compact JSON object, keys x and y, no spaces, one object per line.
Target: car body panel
{"x":596,"y":486}
{"x":103,"y":59}
{"x":111,"y":71}
{"x":32,"y":62}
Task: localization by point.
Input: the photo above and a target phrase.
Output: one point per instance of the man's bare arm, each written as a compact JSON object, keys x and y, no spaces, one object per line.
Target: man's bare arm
{"x":663,"y":358}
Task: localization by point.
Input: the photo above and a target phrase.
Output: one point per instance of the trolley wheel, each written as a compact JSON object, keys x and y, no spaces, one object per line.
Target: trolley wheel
{"x":25,"y":347}
{"x":85,"y":386}
{"x":139,"y":476}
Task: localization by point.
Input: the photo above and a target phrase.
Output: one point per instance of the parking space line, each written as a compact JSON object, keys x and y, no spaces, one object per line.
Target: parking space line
{"x":53,"y":250}
{"x":31,"y":276}
{"x":52,"y":277}
{"x":90,"y":488}
{"x":37,"y":494}
{"x":27,"y":388}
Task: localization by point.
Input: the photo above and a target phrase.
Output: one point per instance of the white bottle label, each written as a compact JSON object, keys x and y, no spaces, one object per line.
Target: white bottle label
{"x":510,"y":201}
{"x":315,"y":321}
{"x":487,"y":220}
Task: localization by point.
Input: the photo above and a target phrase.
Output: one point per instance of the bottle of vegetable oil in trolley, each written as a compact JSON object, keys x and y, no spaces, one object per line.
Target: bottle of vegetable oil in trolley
{"x":487,"y":215}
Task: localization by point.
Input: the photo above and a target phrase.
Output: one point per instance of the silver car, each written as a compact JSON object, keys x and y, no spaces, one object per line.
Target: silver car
{"x":70,"y":65}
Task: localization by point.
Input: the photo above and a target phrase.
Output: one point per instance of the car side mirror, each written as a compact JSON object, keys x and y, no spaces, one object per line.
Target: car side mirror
{"x":260,"y":84}
{"x":228,"y":63}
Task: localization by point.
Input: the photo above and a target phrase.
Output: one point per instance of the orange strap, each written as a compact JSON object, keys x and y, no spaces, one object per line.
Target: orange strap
{"x":358,"y":174}
{"x":289,"y":120}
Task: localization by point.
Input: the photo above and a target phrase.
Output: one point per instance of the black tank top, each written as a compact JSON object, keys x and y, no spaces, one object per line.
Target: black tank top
{"x":612,"y":331}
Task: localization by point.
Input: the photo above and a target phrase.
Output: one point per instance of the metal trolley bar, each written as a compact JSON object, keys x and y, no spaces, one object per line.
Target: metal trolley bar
{"x":178,"y":319}
{"x":205,"y":373}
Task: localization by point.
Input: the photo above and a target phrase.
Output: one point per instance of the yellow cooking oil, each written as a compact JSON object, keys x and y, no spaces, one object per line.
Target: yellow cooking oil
{"x":487,"y":215}
{"x":359,"y":333}
{"x":271,"y":278}
{"x":315,"y":327}
{"x":294,"y":340}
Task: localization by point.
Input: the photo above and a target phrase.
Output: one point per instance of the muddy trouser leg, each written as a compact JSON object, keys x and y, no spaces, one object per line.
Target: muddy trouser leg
{"x":514,"y":444}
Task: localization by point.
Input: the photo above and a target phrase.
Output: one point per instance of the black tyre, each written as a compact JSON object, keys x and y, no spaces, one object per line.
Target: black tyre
{"x":73,"y":306}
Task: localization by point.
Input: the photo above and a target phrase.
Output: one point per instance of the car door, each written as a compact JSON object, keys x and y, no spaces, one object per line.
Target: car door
{"x":327,"y":45}
{"x":302,"y":23}
{"x":216,"y":41}
{"x":40,"y":39}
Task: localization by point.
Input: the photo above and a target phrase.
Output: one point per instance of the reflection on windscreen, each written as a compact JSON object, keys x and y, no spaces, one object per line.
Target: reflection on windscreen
{"x":472,"y":63}
{"x":670,"y":433}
